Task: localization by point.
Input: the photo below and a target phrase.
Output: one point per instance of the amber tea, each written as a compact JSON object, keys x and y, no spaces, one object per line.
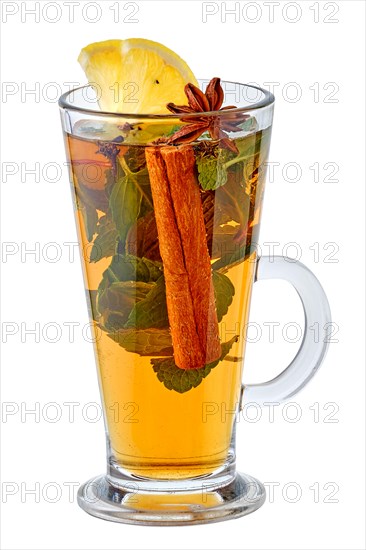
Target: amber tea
{"x":169,"y":234}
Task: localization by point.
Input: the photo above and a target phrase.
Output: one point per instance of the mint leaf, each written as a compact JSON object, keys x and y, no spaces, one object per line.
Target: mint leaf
{"x":150,"y":341}
{"x":239,"y":253}
{"x":125,"y":267}
{"x":90,"y":218}
{"x":224,"y":292}
{"x":210,"y":161}
{"x":117,"y":301}
{"x":106,"y":240}
{"x":125,"y":282}
{"x":211,"y":174}
{"x":152,"y":311}
{"x":181,"y":380}
{"x":124,"y":202}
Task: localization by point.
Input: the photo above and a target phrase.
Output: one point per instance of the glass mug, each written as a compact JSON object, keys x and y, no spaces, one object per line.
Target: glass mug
{"x":168,"y":237}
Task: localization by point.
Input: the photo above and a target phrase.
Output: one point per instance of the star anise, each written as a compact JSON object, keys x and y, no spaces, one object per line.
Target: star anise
{"x":215,"y":125}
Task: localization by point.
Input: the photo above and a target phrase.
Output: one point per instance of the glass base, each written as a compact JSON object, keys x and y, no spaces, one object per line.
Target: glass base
{"x":137,"y":503}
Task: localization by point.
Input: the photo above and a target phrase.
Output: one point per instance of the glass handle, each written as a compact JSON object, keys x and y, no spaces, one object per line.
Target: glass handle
{"x":311,"y":353}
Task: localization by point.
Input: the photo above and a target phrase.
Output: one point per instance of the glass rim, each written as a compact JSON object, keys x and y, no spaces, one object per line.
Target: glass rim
{"x":266,"y":101}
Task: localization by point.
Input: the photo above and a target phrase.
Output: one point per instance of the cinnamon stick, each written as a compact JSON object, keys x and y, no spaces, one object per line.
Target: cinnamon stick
{"x":183,"y":247}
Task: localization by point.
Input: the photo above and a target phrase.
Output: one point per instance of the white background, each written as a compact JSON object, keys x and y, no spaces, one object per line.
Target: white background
{"x":314,"y":52}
